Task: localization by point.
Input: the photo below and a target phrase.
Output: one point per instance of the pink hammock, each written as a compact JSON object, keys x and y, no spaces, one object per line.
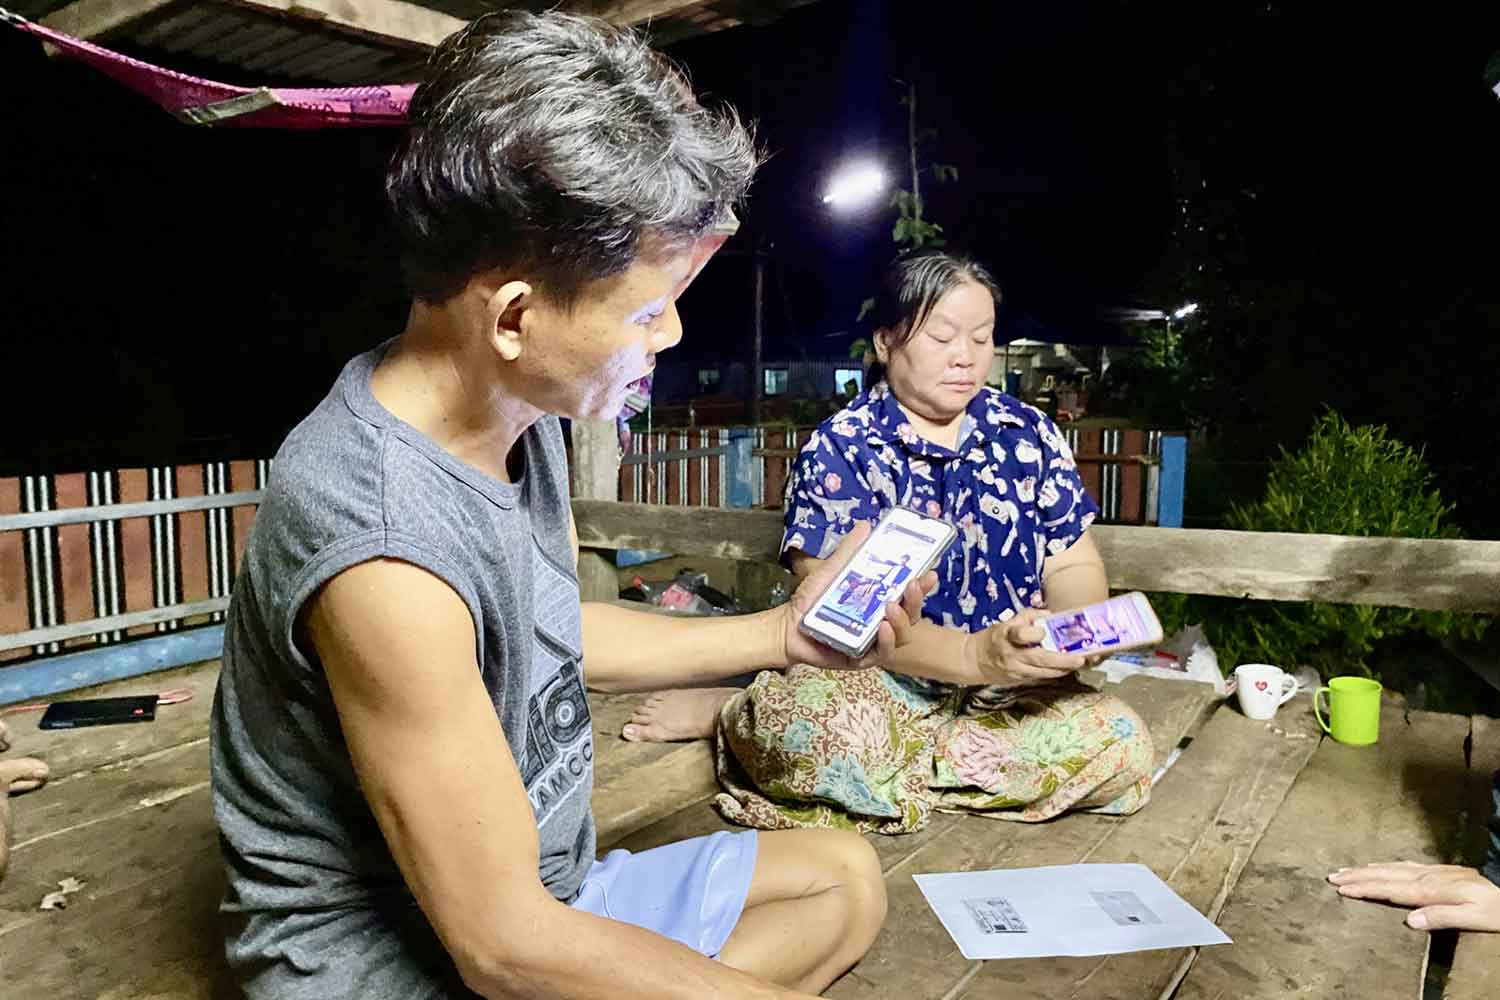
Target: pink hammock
{"x":204,"y":102}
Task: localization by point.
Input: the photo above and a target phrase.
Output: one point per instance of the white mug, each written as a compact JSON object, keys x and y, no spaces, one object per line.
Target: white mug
{"x":1263,"y":689}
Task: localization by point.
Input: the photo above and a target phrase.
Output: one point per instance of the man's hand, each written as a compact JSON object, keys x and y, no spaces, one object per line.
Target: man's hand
{"x":1010,"y":654}
{"x":1444,"y":895}
{"x":894,"y":632}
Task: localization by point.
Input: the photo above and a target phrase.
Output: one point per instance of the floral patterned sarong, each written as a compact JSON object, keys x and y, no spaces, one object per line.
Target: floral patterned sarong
{"x":879,"y":751}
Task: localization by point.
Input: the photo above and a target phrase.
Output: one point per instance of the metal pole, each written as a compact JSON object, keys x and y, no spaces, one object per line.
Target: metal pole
{"x":757,"y":373}
{"x":911,"y":146}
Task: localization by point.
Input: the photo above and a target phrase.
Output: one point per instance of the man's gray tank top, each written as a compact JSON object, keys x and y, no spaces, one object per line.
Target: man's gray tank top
{"x":317,"y":906}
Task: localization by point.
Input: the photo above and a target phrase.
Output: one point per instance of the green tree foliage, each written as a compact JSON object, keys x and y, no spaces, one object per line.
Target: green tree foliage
{"x":1344,"y":481}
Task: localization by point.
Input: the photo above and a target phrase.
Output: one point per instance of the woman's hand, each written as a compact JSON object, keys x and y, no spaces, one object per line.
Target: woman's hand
{"x":1010,"y":654}
{"x":895,"y":630}
{"x":1443,"y":895}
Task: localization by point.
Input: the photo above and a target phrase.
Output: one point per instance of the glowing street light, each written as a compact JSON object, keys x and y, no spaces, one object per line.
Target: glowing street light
{"x":1185,"y":311}
{"x":855,"y":186}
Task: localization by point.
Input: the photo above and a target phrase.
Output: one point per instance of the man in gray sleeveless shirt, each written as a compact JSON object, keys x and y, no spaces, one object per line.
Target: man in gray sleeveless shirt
{"x":401,"y":745}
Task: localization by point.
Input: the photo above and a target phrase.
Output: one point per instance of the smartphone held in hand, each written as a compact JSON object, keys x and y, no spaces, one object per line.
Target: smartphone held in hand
{"x":1112,"y":626}
{"x":903,"y":546}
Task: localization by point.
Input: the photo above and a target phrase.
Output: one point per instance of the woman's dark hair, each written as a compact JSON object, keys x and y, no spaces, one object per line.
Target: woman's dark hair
{"x":911,"y":286}
{"x":556,"y":143}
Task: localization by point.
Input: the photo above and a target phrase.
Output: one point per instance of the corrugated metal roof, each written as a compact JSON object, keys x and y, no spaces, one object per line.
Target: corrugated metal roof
{"x":256,"y":48}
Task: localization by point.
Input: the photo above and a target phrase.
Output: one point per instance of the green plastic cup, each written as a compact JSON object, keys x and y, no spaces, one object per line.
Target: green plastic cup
{"x":1353,"y":710}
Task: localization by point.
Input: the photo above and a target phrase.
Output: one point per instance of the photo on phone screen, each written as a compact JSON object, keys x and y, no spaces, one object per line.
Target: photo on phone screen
{"x":1124,"y":622}
{"x":903,"y":545}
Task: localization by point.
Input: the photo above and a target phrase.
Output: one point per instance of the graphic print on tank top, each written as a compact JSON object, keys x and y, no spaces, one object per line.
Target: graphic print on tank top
{"x":559,"y":734}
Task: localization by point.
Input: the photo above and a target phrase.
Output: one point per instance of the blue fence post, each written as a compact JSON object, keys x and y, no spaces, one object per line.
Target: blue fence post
{"x":85,"y":668}
{"x":1173,"y":486}
{"x":738,"y":467}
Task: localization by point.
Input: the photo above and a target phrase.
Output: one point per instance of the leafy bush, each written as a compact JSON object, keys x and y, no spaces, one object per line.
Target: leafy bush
{"x":1344,"y":481}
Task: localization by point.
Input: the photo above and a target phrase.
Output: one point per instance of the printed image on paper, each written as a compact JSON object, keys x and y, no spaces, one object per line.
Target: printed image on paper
{"x":995,"y":915}
{"x":1125,"y":908}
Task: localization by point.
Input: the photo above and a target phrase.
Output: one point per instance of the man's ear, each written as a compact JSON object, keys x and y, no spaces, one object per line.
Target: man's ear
{"x":504,"y":308}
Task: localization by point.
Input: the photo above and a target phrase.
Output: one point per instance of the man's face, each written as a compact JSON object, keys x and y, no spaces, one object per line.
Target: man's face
{"x":581,"y":363}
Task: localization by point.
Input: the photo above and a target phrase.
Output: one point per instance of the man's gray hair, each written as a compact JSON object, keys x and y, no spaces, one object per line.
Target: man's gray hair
{"x":556,"y":144}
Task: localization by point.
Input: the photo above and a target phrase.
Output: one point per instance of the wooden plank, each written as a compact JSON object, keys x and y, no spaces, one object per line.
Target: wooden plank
{"x":392,"y":23}
{"x":688,"y":531}
{"x":631,"y":11}
{"x":1294,"y":934}
{"x":1433,"y":574}
{"x":638,"y":784}
{"x":106,"y":823}
{"x":134,"y":557}
{"x":108,"y":793}
{"x":69,"y":751}
{"x":1430,"y":573}
{"x":15,"y":596}
{"x":596,"y":476}
{"x":1170,"y":709}
{"x":97,"y":18}
{"x":1197,"y":834}
{"x":683,"y":776}
{"x":65,"y":831}
{"x":914,"y":958}
{"x":1475,"y":974}
{"x":153,"y":882}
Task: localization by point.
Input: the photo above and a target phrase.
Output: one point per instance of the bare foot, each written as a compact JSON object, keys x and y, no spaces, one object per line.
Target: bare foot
{"x":686,"y":714}
{"x":23,"y":774}
{"x":20,"y":775}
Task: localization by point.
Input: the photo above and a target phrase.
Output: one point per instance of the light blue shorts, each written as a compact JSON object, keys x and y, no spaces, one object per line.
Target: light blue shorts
{"x":692,"y":891}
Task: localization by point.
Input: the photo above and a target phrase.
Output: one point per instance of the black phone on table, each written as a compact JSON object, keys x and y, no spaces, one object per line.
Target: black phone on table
{"x":98,"y":712}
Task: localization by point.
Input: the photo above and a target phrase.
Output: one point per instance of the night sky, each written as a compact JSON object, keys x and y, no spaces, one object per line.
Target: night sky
{"x":176,"y":293}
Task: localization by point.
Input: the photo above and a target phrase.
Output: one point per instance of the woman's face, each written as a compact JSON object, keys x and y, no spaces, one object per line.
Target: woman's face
{"x":943,"y":365}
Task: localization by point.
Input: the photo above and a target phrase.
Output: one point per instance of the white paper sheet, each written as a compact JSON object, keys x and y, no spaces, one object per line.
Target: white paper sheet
{"x":1064,"y":910}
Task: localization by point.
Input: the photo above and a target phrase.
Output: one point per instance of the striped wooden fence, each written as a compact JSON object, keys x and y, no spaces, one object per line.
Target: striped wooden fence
{"x":1117,"y":466}
{"x":680,"y":468}
{"x":688,"y":468}
{"x":91,"y":559}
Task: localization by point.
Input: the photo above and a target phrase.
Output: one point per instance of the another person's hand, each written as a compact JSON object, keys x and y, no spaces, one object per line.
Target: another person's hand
{"x":1443,"y":895}
{"x":23,"y":774}
{"x":1010,"y":653}
{"x":895,"y":630}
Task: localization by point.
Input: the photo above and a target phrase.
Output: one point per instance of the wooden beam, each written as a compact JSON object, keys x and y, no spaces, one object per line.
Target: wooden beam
{"x":596,"y":476}
{"x":95,"y":18}
{"x":687,"y":531}
{"x":390,"y":23}
{"x":1432,"y":574}
{"x":1428,"y":573}
{"x":387,"y":22}
{"x":626,"y":11}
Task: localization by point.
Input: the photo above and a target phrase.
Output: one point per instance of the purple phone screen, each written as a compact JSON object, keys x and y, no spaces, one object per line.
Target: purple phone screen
{"x":1114,"y":623}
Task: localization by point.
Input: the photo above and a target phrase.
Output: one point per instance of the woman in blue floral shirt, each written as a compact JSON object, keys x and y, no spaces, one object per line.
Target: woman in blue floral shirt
{"x":971,"y":714}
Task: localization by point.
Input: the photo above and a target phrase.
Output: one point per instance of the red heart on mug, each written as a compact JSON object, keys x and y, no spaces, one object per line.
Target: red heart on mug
{"x":1261,"y":685}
